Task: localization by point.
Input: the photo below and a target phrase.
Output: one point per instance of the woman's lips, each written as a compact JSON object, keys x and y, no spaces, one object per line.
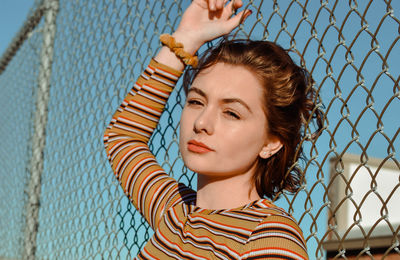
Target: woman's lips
{"x":198,"y":147}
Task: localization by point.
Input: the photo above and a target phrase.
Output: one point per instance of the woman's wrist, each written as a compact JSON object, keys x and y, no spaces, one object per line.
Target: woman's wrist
{"x":190,"y":43}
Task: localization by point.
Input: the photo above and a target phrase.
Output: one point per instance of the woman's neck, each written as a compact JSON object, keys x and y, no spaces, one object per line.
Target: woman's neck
{"x":226,"y":193}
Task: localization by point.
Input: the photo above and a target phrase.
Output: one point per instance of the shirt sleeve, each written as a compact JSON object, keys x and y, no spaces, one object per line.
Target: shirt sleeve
{"x":146,"y":184}
{"x":277,"y":237}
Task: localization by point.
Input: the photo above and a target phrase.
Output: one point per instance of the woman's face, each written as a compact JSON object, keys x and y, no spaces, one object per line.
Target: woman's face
{"x":223,"y":125}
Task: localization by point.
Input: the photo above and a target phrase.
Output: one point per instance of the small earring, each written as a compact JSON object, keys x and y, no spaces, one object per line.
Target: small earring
{"x":264,"y":153}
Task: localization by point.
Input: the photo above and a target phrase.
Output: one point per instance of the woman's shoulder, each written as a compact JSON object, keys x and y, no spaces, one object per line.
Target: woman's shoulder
{"x":277,"y":231}
{"x":272,"y":215}
{"x":267,"y":208}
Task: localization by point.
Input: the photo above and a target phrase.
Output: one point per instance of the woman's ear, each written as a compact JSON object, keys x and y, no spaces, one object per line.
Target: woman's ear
{"x":270,"y":148}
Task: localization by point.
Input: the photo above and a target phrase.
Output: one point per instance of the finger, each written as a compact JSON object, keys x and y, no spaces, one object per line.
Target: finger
{"x":211,"y":5}
{"x":244,"y":16}
{"x":228,"y":10}
{"x":233,"y":6}
{"x":237,"y":19}
{"x":219,"y":4}
{"x":237,"y":3}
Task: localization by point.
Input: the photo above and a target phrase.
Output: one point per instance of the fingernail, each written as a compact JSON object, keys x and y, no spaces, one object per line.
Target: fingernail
{"x":246,"y":14}
{"x":249,"y":12}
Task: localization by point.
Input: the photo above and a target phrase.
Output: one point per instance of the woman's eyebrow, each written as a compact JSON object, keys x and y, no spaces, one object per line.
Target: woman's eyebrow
{"x":198,"y":91}
{"x":224,"y":101}
{"x":236,"y":100}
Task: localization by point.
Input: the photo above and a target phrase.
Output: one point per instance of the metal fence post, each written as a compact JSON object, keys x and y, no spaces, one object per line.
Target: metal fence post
{"x":40,"y":122}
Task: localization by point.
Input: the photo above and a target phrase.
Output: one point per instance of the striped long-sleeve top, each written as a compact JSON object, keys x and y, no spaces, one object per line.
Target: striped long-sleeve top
{"x":258,"y":230}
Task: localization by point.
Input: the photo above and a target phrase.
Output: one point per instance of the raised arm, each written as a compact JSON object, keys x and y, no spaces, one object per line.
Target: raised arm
{"x":146,"y":184}
{"x":202,"y":21}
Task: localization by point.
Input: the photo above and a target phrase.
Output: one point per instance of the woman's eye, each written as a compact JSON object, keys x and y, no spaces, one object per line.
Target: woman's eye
{"x":194,"y":102}
{"x":232,"y":114}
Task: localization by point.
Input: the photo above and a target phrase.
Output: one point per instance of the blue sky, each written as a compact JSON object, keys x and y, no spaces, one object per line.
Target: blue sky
{"x":12,"y":16}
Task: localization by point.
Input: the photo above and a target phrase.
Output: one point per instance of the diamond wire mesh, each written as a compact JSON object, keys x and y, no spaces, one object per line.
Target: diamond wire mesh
{"x":18,"y":83}
{"x":351,"y":48}
{"x":17,"y":90}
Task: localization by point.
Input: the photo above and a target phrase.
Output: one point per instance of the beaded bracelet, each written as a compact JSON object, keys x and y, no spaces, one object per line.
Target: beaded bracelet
{"x":177,"y":48}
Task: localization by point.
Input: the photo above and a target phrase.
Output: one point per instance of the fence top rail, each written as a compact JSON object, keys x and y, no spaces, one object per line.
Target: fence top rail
{"x":31,"y":22}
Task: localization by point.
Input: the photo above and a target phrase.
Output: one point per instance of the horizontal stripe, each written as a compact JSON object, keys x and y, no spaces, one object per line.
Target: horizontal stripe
{"x":152,"y":97}
{"x":204,"y":242}
{"x":244,"y":216}
{"x":133,"y":124}
{"x":167,"y":74}
{"x":278,"y":227}
{"x":276,"y":253}
{"x":133,"y":130}
{"x":224,"y":226}
{"x":174,"y":249}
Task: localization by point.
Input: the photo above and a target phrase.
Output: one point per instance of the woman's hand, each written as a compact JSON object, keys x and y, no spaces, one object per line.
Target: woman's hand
{"x":205,"y":20}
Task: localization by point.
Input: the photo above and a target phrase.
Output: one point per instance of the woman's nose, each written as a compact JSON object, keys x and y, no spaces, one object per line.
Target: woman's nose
{"x":205,"y":122}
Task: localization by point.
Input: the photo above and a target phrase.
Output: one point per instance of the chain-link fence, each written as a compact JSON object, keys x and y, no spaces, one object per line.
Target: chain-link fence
{"x":73,"y":62}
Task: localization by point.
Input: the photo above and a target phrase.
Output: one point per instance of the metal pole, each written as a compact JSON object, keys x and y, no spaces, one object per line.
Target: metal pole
{"x":29,"y":25}
{"x":40,"y":122}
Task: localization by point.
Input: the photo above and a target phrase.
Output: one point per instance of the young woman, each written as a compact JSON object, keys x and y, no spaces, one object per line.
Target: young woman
{"x":240,"y":130}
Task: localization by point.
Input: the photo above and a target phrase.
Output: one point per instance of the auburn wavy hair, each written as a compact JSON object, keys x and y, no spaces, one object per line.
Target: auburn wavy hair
{"x":289,"y":104}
